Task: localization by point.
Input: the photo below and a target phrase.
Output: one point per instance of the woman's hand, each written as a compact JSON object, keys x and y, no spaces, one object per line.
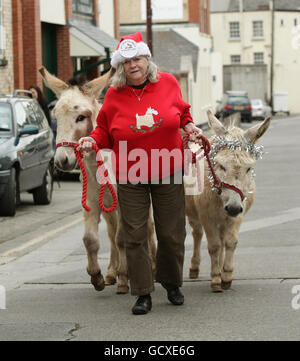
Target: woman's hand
{"x":85,"y":144}
{"x":195,"y":132}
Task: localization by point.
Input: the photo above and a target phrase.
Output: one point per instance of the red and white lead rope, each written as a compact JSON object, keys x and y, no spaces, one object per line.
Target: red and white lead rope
{"x":218,"y":184}
{"x":102,"y":172}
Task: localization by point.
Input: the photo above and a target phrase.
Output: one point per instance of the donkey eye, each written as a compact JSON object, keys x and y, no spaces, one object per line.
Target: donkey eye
{"x":248,"y":170}
{"x":80,"y":118}
{"x":222,"y":168}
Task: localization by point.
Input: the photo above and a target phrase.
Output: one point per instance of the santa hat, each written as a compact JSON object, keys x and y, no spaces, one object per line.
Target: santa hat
{"x":129,"y":46}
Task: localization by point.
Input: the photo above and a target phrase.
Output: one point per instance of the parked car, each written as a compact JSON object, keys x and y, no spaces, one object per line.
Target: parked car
{"x":260,"y":110}
{"x":26,"y":152}
{"x":235,"y":102}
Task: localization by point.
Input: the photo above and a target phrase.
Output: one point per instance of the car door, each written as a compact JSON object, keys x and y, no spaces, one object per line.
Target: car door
{"x":27,"y":148}
{"x":44,"y":138}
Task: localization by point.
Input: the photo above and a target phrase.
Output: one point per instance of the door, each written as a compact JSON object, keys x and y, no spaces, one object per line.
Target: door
{"x":49,"y":54}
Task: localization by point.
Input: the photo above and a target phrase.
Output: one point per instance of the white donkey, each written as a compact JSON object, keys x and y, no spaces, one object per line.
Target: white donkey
{"x":76,"y":113}
{"x":221,"y":213}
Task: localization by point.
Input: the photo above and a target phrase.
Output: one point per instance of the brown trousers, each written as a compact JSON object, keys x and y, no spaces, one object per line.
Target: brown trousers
{"x":169,"y":217}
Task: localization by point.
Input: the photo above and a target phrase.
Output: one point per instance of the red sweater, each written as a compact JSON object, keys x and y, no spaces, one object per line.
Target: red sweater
{"x":148,"y":126}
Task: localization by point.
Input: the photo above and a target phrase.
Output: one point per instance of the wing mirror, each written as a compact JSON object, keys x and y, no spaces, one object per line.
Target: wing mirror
{"x":26,"y":130}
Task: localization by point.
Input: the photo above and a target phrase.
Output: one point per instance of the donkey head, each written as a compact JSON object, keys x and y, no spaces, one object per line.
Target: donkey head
{"x":234,"y":164}
{"x":75,"y":112}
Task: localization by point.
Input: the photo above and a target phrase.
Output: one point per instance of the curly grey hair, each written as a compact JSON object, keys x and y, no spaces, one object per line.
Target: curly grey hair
{"x":118,"y":80}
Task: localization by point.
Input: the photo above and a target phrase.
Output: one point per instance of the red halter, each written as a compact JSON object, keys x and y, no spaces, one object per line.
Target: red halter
{"x":102,"y":174}
{"x":218,"y":184}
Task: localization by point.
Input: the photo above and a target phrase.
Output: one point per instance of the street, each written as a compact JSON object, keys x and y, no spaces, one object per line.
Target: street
{"x":48,"y":295}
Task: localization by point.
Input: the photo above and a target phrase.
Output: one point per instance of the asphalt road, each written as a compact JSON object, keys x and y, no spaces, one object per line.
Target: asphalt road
{"x":48,"y":295}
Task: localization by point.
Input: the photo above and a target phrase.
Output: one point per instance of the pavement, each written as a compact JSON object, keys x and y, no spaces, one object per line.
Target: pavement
{"x":49,"y":297}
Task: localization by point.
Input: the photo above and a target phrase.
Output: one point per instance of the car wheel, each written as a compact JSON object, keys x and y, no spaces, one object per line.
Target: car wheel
{"x":43,"y":194}
{"x":9,"y":200}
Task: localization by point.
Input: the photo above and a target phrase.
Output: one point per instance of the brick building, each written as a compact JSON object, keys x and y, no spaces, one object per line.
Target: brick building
{"x":63,"y":35}
{"x":6,"y":48}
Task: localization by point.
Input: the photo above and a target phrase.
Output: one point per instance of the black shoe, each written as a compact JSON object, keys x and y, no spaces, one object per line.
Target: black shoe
{"x":174,"y":294}
{"x":142,"y":306}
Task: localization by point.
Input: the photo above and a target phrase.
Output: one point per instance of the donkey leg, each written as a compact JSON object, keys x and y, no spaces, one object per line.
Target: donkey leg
{"x":111,"y":222}
{"x":214,"y":249}
{"x":228,"y":267}
{"x":91,"y":242}
{"x":196,"y":257}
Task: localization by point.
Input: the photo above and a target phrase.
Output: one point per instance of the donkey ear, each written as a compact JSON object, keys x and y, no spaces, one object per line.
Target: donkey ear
{"x":216,"y":126}
{"x":52,"y":82}
{"x":254,"y":133}
{"x":94,"y":87}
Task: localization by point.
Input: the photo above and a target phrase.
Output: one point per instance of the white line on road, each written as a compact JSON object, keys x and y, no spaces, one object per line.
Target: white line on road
{"x":39,"y":239}
{"x":284,"y":217}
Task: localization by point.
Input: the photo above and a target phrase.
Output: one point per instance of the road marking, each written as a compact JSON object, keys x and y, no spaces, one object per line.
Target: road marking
{"x":39,"y":239}
{"x":290,"y":215}
{"x":286,"y":216}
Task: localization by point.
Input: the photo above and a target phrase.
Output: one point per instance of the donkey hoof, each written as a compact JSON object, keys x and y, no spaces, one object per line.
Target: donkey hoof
{"x":122,"y":289}
{"x":110,"y":280}
{"x":216,"y":287}
{"x":226,"y":285}
{"x":194,"y":273}
{"x":98,"y":282}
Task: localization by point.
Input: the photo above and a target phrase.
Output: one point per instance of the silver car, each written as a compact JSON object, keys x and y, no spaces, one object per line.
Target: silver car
{"x":260,"y":110}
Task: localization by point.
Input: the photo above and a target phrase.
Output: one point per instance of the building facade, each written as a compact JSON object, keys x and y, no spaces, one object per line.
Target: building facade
{"x":242,"y":33}
{"x":6,"y":48}
{"x":182,"y":45}
{"x":63,"y":35}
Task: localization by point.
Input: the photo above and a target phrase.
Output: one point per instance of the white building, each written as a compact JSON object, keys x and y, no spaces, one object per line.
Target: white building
{"x":242,"y":32}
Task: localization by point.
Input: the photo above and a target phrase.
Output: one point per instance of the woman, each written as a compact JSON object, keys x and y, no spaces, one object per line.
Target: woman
{"x":38,"y":95}
{"x":140,"y":120}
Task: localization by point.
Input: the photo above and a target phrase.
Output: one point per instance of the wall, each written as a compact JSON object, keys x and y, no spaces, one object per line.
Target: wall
{"x":287,"y":57}
{"x":7,"y":72}
{"x":106,"y":17}
{"x":251,"y":78}
{"x":246,"y":46}
{"x":204,"y":92}
{"x":131,"y":12}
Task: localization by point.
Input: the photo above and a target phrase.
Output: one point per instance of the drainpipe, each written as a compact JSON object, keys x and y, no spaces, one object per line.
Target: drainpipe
{"x":272,"y":4}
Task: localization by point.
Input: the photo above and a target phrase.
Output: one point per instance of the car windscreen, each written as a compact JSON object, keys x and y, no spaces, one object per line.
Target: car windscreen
{"x":6,"y":125}
{"x":238,"y":100}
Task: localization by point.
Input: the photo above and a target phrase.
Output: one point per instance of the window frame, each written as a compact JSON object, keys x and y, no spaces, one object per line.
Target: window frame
{"x":259,"y":29}
{"x":77,"y":7}
{"x":235,"y":62}
{"x":231,"y":30}
{"x":255,"y":55}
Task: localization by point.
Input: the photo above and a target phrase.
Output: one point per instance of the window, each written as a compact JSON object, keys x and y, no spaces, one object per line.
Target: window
{"x":5,"y":118}
{"x":234,"y":30}
{"x":235,"y":59}
{"x":258,"y":58}
{"x":258,"y":29}
{"x":281,"y":22}
{"x":295,"y":22}
{"x":84,"y":7}
{"x":40,"y":116}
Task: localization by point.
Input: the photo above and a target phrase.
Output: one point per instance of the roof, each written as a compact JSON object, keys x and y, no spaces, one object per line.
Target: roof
{"x":93,"y":32}
{"x":168,"y":49}
{"x":253,"y":5}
